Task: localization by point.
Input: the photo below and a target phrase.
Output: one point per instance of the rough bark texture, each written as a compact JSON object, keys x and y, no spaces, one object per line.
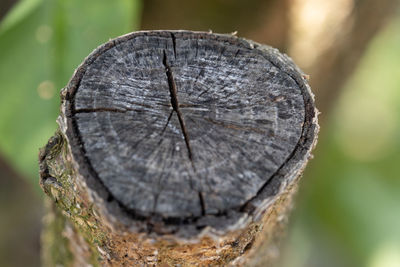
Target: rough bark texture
{"x":177,"y":149}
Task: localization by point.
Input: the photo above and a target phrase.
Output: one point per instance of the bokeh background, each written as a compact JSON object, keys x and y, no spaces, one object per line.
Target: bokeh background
{"x":348,"y":208}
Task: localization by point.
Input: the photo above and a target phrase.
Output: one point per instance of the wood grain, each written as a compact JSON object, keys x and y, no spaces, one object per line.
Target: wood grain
{"x":179,"y":125}
{"x":244,"y":118}
{"x":175,"y":143}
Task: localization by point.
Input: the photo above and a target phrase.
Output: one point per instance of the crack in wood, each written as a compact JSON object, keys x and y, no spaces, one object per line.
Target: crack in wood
{"x":202,"y":204}
{"x":174,"y":43}
{"x":203,"y":199}
{"x":166,"y":125}
{"x":237,"y":53}
{"x":202,"y":93}
{"x":176,"y":107}
{"x":175,"y":104}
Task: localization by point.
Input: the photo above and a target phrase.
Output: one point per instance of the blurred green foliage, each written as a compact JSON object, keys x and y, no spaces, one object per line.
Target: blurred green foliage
{"x":349,"y":209}
{"x":41,"y":43}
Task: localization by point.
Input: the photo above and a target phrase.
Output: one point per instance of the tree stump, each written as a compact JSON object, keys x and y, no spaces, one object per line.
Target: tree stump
{"x":176,"y":148}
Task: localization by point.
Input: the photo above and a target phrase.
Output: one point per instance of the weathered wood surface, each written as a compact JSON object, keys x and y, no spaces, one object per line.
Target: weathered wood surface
{"x":178,"y":143}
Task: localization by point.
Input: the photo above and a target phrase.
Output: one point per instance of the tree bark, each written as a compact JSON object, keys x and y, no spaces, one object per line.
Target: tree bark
{"x":176,"y":148}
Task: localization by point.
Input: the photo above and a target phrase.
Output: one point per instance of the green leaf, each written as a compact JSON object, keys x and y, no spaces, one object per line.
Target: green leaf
{"x":39,"y":50}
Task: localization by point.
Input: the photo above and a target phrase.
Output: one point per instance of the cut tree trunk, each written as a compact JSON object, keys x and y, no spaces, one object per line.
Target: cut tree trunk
{"x":176,"y":148}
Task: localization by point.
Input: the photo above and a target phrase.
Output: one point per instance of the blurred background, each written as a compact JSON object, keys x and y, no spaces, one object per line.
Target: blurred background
{"x":348,"y":207}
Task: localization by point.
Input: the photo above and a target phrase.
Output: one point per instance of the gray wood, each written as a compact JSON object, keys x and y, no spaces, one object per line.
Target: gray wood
{"x":176,"y":148}
{"x":188,"y":127}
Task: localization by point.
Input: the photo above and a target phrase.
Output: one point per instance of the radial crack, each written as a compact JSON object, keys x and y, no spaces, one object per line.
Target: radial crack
{"x":175,"y":104}
{"x":166,"y":125}
{"x":174,"y":43}
{"x":202,"y":203}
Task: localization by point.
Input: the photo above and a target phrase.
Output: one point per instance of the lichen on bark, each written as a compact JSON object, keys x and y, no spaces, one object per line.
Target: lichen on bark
{"x":70,"y":214}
